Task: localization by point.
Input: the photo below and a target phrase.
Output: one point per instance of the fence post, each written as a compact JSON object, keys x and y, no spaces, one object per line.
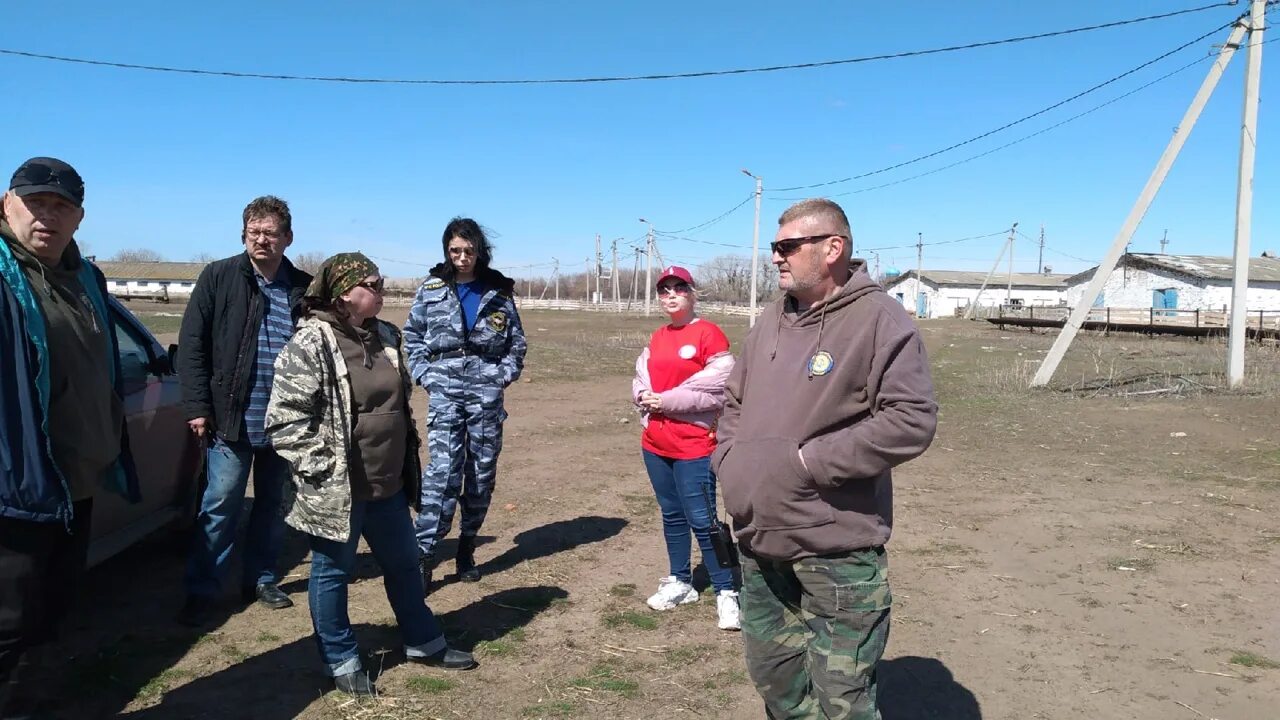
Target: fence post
{"x":1197,"y":318}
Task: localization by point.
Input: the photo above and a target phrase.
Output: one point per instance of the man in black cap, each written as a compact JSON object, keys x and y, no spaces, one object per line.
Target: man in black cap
{"x":61,"y":417}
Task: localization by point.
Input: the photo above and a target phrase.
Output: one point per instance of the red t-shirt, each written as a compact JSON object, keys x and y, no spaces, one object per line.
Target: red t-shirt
{"x":674,"y":355}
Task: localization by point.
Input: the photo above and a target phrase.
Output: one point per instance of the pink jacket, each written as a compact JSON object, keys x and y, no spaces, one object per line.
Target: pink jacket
{"x":698,"y":400}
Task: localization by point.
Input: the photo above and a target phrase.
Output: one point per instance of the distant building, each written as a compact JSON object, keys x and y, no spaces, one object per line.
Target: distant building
{"x":155,"y":280}
{"x":947,"y":293}
{"x":1180,"y":282}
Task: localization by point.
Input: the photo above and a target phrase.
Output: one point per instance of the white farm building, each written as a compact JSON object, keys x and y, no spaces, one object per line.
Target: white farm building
{"x":155,"y":280}
{"x":947,"y":293}
{"x":1179,"y":282}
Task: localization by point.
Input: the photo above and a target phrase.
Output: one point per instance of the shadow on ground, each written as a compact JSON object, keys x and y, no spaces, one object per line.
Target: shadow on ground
{"x":918,"y":688}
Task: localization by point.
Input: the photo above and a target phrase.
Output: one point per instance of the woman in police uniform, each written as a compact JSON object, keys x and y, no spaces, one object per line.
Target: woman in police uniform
{"x":465,"y":346}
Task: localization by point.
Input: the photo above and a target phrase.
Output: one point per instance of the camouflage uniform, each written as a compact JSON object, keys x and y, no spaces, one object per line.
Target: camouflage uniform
{"x":309,"y":423}
{"x":814,"y":630}
{"x":464,"y":372}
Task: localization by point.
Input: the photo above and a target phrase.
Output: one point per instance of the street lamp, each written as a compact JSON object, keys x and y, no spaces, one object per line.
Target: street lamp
{"x":648,"y":267}
{"x":755,"y":249}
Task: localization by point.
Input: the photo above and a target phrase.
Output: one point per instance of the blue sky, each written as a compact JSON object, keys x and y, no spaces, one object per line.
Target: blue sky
{"x":170,"y":160}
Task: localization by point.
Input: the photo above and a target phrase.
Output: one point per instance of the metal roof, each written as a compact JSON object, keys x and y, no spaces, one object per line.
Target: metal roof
{"x":943,"y":278}
{"x":170,"y":271}
{"x":1204,"y":267}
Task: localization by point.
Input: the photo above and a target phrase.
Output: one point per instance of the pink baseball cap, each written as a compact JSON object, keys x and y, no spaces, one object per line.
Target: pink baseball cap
{"x":675,"y":271}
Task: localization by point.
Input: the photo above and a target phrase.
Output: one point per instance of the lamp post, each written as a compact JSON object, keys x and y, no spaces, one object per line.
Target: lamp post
{"x":755,"y":249}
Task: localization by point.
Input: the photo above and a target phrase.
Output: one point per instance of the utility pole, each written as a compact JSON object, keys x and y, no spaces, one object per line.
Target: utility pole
{"x":876,"y":274}
{"x":1040,"y":261}
{"x":1244,"y":199}
{"x":648,"y":269}
{"x":1008,"y":296}
{"x":635,"y":275}
{"x":1180,"y":133}
{"x":555,"y":273}
{"x":1164,"y":242}
{"x":978,"y":298}
{"x":919,"y":273}
{"x":595,"y":299}
{"x":755,"y":251}
{"x":614,"y":273}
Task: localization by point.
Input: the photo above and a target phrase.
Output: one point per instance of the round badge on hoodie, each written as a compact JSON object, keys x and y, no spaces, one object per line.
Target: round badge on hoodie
{"x":686,"y":352}
{"x":821,"y":363}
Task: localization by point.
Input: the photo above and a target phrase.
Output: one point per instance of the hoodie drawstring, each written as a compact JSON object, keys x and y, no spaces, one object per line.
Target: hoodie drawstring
{"x":822,"y":321}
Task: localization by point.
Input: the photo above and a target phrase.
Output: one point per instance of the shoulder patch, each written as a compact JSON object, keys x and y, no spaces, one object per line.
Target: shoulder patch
{"x":434,"y":283}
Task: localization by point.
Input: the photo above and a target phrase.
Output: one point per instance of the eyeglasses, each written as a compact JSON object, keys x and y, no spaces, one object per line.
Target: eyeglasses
{"x":675,"y":289}
{"x":374,"y":286}
{"x":789,"y":246}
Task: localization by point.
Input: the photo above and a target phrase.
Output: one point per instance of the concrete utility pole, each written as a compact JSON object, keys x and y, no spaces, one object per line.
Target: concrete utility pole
{"x":635,"y":277}
{"x":1244,"y":198}
{"x":755,"y":251}
{"x":555,"y":272}
{"x":1008,"y":295}
{"x":1040,"y":260}
{"x":614,"y":273}
{"x":1164,"y":242}
{"x":978,"y":298}
{"x":595,"y":300}
{"x":648,"y":269}
{"x":919,"y":273}
{"x":1180,"y":133}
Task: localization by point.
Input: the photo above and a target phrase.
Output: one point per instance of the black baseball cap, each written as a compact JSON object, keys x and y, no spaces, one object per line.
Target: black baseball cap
{"x":46,"y":174}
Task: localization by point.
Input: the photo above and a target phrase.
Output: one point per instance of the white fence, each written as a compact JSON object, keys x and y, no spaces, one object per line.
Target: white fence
{"x":709,"y":308}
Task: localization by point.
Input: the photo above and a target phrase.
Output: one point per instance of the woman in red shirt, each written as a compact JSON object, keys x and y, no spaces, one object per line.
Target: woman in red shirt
{"x":679,"y":388}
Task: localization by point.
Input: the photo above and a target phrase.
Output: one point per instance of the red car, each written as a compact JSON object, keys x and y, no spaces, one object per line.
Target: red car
{"x":167,"y":456}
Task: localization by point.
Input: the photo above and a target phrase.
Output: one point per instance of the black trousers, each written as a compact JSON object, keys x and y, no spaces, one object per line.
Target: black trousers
{"x":41,"y":569}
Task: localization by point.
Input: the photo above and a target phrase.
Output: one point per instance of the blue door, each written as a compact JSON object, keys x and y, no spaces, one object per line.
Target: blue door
{"x":922,"y":305}
{"x":1165,"y":299}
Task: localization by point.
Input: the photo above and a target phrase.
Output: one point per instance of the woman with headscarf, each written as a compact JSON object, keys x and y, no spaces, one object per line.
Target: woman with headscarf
{"x":465,"y":346}
{"x":679,"y":389}
{"x":339,"y":413}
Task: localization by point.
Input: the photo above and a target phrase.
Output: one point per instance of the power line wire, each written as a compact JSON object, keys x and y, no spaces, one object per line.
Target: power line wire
{"x":600,"y":79}
{"x":930,"y":244}
{"x":713,"y":220}
{"x":1019,"y":121}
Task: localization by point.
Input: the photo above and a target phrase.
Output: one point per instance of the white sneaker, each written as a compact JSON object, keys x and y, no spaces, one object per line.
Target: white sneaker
{"x":672,"y":592}
{"x":727,"y":610}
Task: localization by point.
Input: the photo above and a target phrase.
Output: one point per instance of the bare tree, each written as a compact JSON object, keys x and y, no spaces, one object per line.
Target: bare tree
{"x":137,"y":255}
{"x":308,"y":262}
{"x":203,"y":257}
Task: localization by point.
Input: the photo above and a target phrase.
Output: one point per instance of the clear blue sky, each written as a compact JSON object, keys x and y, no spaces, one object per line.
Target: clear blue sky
{"x":170,"y":160}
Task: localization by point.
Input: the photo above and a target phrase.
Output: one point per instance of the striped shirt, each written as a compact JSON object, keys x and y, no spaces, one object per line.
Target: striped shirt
{"x":273,"y":334}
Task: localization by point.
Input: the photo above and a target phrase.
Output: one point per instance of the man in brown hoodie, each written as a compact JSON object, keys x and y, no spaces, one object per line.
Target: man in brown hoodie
{"x":831,"y":392}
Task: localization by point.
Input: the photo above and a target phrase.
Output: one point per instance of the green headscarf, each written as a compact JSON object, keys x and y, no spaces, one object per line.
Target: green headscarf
{"x":338,"y":275}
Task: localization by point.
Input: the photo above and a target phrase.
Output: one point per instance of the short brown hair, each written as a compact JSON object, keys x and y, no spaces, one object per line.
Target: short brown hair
{"x":268,"y":206}
{"x":818,"y":208}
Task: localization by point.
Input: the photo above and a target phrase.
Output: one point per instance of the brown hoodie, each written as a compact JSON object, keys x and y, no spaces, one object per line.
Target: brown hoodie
{"x":871,"y":409}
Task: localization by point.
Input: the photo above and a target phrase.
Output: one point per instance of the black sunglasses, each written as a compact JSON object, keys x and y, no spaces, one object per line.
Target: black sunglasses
{"x":789,"y":246}
{"x":376,"y":286}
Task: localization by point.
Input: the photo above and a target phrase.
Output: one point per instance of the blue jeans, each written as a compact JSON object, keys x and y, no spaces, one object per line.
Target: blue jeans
{"x":228,"y":474}
{"x":386,"y":526}
{"x":686,"y":491}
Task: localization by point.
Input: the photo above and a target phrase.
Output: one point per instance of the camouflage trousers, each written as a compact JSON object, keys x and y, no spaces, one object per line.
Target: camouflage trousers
{"x":814,"y":631}
{"x":463,"y":440}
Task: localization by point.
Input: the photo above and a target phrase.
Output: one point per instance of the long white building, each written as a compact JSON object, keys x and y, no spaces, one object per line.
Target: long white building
{"x":1180,"y":282}
{"x":154,"y":280}
{"x":948,"y":293}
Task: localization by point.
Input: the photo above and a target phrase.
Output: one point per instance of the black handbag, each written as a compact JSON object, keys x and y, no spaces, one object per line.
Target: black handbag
{"x":721,"y":537}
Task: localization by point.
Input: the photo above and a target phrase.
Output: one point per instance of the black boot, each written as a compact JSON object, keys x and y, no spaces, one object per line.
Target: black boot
{"x":466,"y":560}
{"x":425,"y":565}
{"x":356,"y":683}
{"x":449,"y":659}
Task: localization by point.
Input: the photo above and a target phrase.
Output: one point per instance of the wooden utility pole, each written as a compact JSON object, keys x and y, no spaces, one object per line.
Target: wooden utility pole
{"x":919,"y":273}
{"x":614,"y":273}
{"x":1164,"y":242}
{"x":1040,"y":260}
{"x":1008,"y":295}
{"x":1180,"y":133}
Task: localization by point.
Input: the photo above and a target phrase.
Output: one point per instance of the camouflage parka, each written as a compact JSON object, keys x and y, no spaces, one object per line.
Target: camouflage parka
{"x":310,"y":420}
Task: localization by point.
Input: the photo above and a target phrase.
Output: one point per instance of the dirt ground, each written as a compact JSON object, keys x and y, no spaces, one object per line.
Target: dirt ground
{"x":1055,"y":555}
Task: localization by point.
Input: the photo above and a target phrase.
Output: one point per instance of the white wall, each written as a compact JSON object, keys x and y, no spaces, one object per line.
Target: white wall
{"x":1133,"y":287}
{"x":948,"y":300}
{"x":151,"y":288}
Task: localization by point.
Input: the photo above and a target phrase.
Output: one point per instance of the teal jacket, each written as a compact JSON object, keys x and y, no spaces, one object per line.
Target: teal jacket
{"x":31,"y":485}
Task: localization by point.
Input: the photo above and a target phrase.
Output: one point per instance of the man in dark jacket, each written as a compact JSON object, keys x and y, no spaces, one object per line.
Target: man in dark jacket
{"x":61,"y":417}
{"x":241,"y":313}
{"x":832,"y":391}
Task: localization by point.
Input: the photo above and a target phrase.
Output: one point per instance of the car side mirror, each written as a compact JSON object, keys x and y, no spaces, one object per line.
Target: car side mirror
{"x":161,"y":366}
